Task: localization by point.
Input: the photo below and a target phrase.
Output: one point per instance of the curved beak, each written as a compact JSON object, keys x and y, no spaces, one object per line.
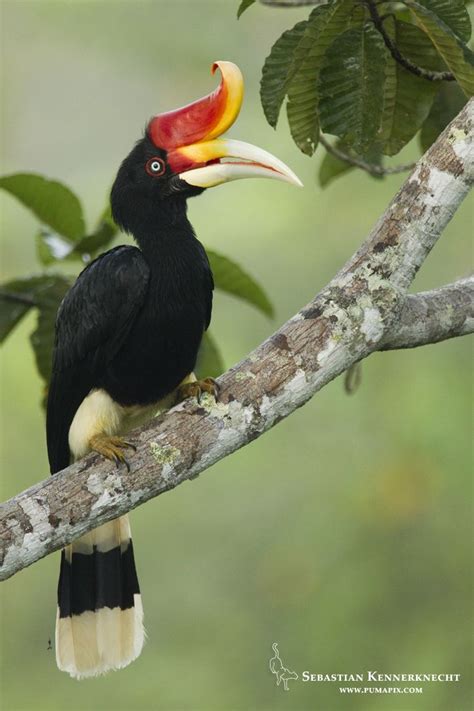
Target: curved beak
{"x":197,"y":155}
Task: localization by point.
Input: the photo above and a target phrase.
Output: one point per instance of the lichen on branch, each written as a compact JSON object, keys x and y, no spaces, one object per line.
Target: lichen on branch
{"x":363,"y":309}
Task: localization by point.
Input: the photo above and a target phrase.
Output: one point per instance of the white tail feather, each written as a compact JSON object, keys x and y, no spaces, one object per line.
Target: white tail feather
{"x":95,"y":642}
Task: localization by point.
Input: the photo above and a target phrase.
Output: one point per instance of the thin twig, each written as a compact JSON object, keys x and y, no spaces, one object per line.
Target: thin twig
{"x":398,"y":57}
{"x":18,"y":298}
{"x":370,"y":168}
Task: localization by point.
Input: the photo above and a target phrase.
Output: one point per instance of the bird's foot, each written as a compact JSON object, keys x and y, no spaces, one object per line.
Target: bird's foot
{"x":111,"y":448}
{"x":196,"y":388}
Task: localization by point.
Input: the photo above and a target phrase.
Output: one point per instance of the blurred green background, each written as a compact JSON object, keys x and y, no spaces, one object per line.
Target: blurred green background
{"x":345,"y":533}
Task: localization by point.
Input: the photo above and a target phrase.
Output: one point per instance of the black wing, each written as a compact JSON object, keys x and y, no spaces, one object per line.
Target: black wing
{"x":93,"y":321}
{"x":208,"y":284}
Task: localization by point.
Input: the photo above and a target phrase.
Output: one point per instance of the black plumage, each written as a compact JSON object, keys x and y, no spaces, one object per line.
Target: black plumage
{"x":118,"y":582}
{"x":133,"y":321}
{"x":130,"y":326}
{"x":127,"y":335}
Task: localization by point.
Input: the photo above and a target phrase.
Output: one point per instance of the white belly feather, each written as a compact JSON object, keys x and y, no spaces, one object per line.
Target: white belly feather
{"x":99,"y":414}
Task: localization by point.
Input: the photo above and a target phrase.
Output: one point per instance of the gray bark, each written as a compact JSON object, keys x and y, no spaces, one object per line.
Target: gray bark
{"x":433,"y":316}
{"x":363,"y":309}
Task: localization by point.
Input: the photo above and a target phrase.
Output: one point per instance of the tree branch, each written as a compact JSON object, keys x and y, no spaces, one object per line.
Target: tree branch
{"x":344,"y":323}
{"x":433,"y":316}
{"x":18,"y":298}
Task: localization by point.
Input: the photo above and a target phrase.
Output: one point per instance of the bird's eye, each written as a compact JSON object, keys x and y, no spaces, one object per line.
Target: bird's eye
{"x":155,"y":167}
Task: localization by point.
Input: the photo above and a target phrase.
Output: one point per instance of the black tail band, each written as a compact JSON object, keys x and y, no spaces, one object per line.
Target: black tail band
{"x":91,"y":581}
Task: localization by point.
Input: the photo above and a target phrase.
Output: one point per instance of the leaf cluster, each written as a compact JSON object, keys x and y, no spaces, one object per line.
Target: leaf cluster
{"x":372,"y":74}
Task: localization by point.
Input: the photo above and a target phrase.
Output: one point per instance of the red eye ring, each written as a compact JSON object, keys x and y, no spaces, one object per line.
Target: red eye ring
{"x":155,"y":167}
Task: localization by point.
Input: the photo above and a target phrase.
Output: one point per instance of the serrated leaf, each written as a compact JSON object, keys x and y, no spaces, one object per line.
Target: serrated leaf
{"x":457,"y":56}
{"x":350,"y":87}
{"x":42,"y":338}
{"x":407,"y":98}
{"x":453,"y":13}
{"x":278,"y":70}
{"x":209,"y":362}
{"x":447,"y":104}
{"x":54,"y":204}
{"x":324,"y":25}
{"x":243,"y":6}
{"x":231,"y":278}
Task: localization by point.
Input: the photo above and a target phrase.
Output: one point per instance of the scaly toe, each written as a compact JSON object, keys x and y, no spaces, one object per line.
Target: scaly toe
{"x":111,"y":448}
{"x":197,"y":387}
{"x":209,"y":385}
{"x":189,"y":390}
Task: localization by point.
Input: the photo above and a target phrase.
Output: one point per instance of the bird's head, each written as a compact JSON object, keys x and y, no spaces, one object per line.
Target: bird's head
{"x":182,"y":153}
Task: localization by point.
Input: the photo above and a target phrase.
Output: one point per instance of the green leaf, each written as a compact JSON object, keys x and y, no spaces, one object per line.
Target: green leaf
{"x":453,"y":13}
{"x":231,"y":278}
{"x":457,"y":56}
{"x":402,"y":13}
{"x":350,"y":87}
{"x":51,"y":202}
{"x":278,"y":71}
{"x":209,"y":362}
{"x":42,"y":338}
{"x":101,"y":237}
{"x":407,"y":98}
{"x":12,"y":311}
{"x":324,"y":25}
{"x":446,"y":106}
{"x":332,"y":167}
{"x":11,"y":314}
{"x":53,"y":248}
{"x":17,"y":297}
{"x":243,"y":6}
{"x":416,"y":46}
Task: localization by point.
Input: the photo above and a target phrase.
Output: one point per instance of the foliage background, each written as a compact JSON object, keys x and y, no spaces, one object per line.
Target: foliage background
{"x":345,"y":533}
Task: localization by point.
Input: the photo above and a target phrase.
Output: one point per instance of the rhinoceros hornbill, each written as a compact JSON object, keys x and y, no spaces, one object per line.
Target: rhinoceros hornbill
{"x":127,"y":335}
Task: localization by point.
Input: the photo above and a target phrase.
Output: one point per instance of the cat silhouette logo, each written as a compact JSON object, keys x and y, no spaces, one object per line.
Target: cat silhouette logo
{"x":281,"y":672}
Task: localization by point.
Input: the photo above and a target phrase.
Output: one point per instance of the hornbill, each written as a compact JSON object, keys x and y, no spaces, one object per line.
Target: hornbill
{"x":127,"y":335}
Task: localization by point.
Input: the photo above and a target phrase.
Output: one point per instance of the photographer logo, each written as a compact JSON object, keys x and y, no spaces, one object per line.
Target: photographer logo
{"x":282,"y":674}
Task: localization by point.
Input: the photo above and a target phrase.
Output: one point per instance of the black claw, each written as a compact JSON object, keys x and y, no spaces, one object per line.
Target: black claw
{"x":127,"y":465}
